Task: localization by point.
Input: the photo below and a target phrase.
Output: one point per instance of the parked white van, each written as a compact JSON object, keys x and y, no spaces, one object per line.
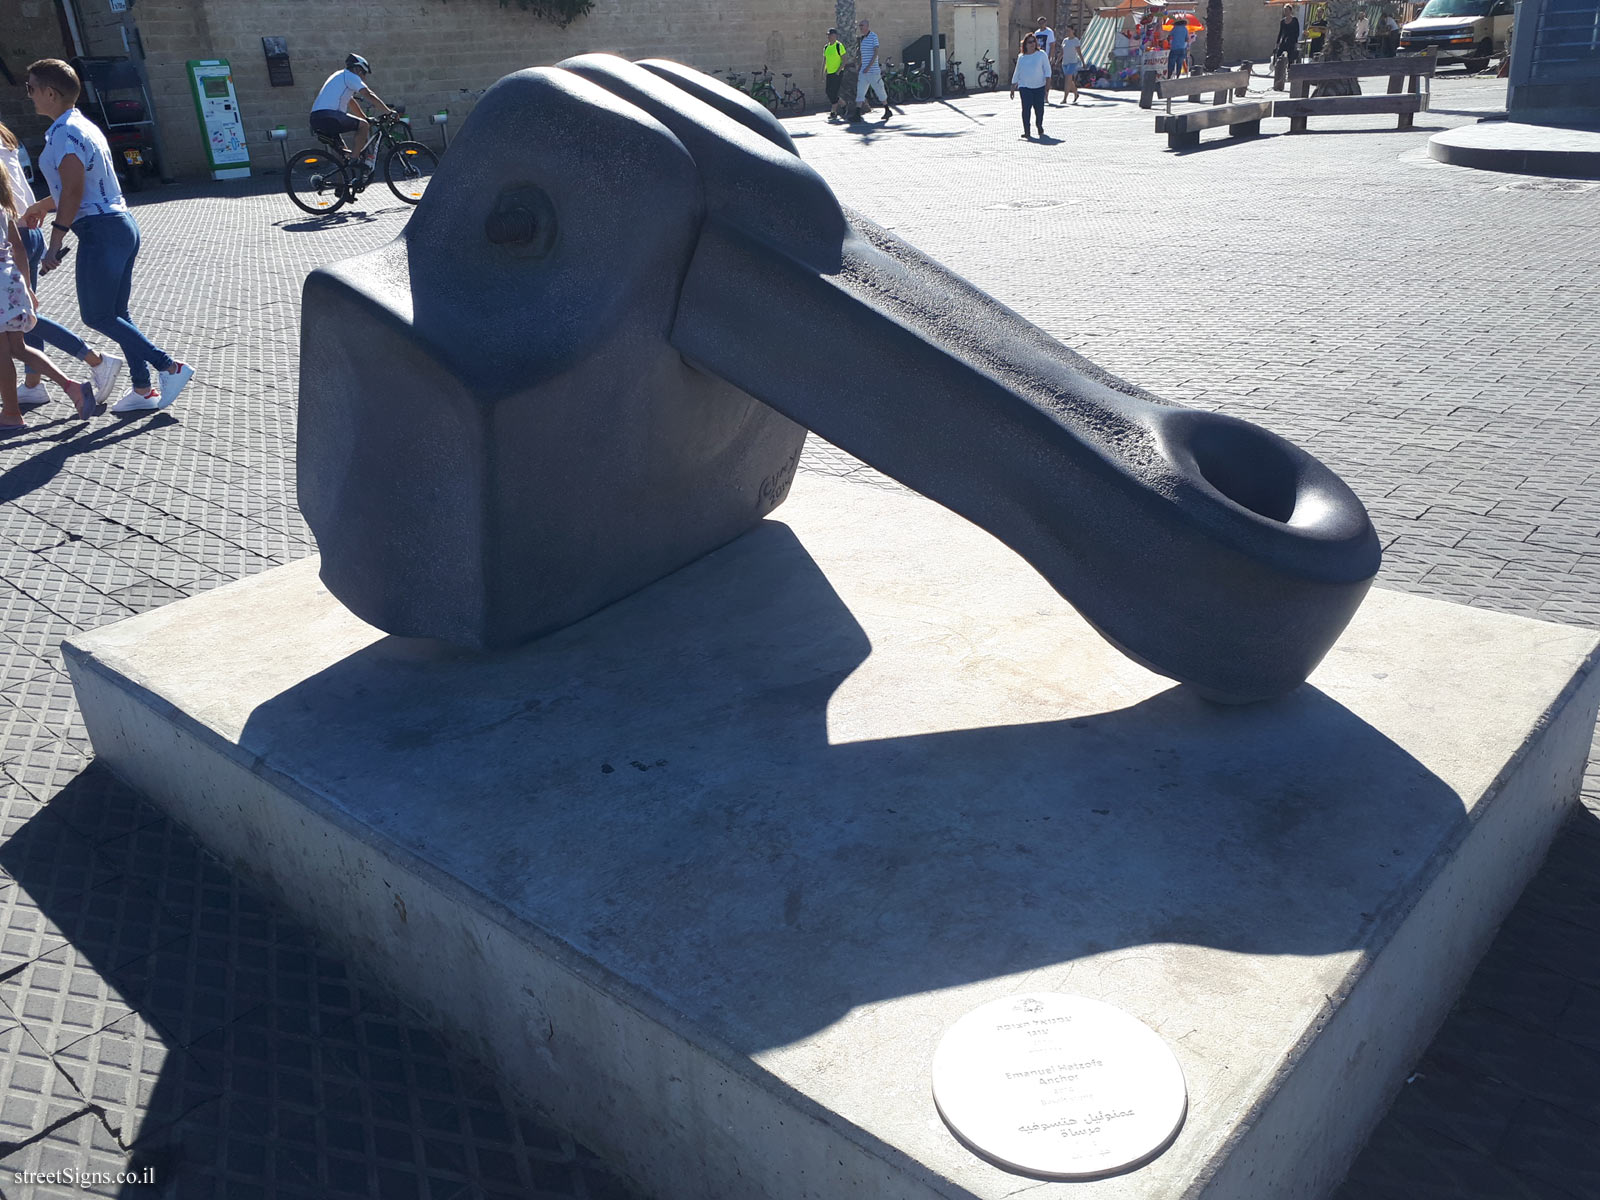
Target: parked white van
{"x":1464,"y":31}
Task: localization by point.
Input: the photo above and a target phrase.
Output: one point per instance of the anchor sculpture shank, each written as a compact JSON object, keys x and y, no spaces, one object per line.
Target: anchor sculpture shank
{"x":592,"y":355}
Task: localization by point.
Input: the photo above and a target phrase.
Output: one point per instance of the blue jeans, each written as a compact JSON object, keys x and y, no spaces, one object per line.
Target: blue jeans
{"x":1176,"y":59}
{"x":108,"y":244}
{"x":1033,"y":102}
{"x":46,"y":332}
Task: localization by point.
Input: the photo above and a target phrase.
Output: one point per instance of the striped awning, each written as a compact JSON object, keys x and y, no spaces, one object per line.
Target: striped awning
{"x":1098,"y":39}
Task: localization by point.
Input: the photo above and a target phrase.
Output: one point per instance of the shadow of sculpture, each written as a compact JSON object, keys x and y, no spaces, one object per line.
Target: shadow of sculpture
{"x":173,"y":1022}
{"x":565,"y":378}
{"x":693,"y":821}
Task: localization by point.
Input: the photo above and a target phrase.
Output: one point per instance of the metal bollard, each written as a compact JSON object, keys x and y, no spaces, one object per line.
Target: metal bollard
{"x":442,"y":120}
{"x":1280,"y":70}
{"x":1247,"y":67}
{"x":280,"y":134}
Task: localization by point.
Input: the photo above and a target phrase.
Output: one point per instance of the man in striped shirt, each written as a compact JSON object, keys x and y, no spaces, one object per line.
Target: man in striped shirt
{"x":871,"y":71}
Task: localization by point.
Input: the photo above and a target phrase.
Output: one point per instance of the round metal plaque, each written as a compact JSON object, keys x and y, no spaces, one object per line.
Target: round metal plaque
{"x":1058,"y":1086}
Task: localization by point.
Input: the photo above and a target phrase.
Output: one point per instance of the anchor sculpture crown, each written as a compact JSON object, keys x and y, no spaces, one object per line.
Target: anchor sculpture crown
{"x":593,"y":353}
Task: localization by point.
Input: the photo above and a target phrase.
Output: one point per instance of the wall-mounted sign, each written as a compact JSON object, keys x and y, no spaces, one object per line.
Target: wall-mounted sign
{"x":279,"y":73}
{"x":119,"y":5}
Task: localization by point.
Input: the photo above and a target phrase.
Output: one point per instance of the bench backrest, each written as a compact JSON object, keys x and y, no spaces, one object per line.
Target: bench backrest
{"x":1362,"y":68}
{"x":1194,"y":85}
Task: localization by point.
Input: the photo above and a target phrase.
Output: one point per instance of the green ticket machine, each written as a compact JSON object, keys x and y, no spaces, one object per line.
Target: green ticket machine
{"x":221,"y":126}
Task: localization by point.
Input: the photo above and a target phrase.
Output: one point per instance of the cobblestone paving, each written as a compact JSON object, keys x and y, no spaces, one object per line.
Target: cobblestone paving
{"x":1434,"y":334}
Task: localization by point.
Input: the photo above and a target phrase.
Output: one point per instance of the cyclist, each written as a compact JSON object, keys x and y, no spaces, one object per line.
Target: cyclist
{"x":335,"y":113}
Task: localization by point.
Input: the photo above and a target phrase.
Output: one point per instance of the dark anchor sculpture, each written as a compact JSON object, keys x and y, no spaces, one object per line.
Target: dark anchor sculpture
{"x":565,"y":378}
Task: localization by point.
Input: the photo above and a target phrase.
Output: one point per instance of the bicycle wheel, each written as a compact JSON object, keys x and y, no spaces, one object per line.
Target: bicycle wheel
{"x":795,"y":100}
{"x":315,"y":181}
{"x":408,"y":166}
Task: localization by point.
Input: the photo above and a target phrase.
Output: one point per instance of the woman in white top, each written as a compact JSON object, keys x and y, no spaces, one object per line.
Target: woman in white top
{"x":87,"y":202}
{"x":1032,"y":76}
{"x":45,"y":331}
{"x":1071,"y":63}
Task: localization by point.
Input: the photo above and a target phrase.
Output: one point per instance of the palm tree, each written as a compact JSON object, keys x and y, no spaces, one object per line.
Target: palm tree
{"x":1342,"y":31}
{"x":1340,"y":46}
{"x":1213,"y":35}
{"x":844,"y":20}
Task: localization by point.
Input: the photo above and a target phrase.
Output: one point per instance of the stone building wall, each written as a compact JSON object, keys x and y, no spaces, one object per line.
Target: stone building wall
{"x":435,"y":54}
{"x":29,"y":30}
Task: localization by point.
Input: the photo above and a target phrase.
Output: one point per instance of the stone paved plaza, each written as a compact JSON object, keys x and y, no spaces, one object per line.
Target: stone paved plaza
{"x":1431,"y":333}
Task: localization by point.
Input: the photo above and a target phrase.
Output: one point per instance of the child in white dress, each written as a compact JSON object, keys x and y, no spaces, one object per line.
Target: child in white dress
{"x":18,"y":311}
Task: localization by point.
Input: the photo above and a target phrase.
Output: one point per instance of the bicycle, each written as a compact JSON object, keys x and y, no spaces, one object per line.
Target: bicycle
{"x":988,"y":77}
{"x":323,"y":180}
{"x":762,"y":91}
{"x":955,"y":83}
{"x":919,"y":83}
{"x":793,"y":99}
{"x":894,"y":87}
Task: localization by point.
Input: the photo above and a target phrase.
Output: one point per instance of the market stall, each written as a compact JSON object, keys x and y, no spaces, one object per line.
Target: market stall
{"x":1121,"y":39}
{"x":1126,"y":39}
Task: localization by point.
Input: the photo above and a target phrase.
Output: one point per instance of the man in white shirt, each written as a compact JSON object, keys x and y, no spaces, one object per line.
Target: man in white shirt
{"x":1046,"y":36}
{"x":871,"y":71}
{"x":335,"y":113}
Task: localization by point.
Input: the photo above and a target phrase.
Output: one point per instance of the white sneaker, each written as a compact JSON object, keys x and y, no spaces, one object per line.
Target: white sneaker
{"x":172,"y":382}
{"x":136,"y":401}
{"x":31,"y":397}
{"x":104,"y":377}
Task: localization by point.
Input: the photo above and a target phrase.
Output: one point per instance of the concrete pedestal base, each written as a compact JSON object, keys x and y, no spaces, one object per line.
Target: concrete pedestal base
{"x":1520,"y":148}
{"x":708,"y":875}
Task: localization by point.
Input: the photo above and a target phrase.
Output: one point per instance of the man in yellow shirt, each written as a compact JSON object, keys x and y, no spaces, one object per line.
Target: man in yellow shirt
{"x":833,"y":53}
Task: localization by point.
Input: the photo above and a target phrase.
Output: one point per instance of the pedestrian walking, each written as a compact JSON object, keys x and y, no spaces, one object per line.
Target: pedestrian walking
{"x":18,"y":315}
{"x":1178,"y":47}
{"x":1046,"y":36}
{"x":1288,"y":45}
{"x":1288,"y":36}
{"x":1071,"y":51}
{"x":1389,"y":35}
{"x":1316,"y":31}
{"x":1031,"y":76}
{"x":833,"y":56}
{"x":871,"y":71}
{"x":45,"y":332}
{"x":87,"y":202}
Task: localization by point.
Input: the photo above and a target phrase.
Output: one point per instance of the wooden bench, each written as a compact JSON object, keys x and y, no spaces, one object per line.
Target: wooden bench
{"x":1183,"y":129}
{"x":1223,"y":83}
{"x":1411,"y":67}
{"x":1192,"y":86}
{"x":1243,"y":118}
